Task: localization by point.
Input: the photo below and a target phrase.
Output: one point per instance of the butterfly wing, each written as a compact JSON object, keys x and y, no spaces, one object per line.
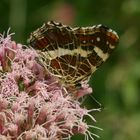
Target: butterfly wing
{"x":95,"y":44}
{"x":73,"y":54}
{"x":55,"y":44}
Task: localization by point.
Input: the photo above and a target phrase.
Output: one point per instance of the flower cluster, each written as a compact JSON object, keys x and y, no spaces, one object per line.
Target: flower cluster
{"x":33,"y":103}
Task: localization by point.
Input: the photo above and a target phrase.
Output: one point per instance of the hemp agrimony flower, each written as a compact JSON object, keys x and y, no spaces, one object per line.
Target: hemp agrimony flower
{"x":33,"y":103}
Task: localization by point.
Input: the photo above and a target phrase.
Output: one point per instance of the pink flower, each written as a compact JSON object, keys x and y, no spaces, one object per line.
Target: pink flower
{"x":33,"y":104}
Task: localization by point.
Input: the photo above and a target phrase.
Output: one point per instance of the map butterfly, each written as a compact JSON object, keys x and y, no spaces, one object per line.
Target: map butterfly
{"x":73,"y":54}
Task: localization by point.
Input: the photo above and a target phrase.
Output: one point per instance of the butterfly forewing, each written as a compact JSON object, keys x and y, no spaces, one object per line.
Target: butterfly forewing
{"x":73,"y":54}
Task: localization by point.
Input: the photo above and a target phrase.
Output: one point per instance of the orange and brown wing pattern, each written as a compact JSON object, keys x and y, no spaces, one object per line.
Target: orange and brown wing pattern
{"x":73,"y":54}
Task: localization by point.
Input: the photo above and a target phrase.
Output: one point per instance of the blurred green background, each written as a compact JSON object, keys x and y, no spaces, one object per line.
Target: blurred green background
{"x":116,"y":85}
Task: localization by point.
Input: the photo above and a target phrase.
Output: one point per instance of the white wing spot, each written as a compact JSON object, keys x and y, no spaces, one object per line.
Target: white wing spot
{"x":92,"y":41}
{"x":84,"y":41}
{"x":110,"y":30}
{"x":107,"y":42}
{"x":98,"y":39}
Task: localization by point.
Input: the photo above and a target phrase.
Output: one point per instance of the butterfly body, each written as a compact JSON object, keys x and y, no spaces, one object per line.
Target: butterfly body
{"x":73,"y":54}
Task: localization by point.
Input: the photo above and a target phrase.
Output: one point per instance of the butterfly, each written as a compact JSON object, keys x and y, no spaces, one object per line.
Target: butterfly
{"x":73,"y":54}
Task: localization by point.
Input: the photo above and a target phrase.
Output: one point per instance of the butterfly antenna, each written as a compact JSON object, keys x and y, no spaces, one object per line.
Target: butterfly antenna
{"x":98,"y":103}
{"x":83,"y":99}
